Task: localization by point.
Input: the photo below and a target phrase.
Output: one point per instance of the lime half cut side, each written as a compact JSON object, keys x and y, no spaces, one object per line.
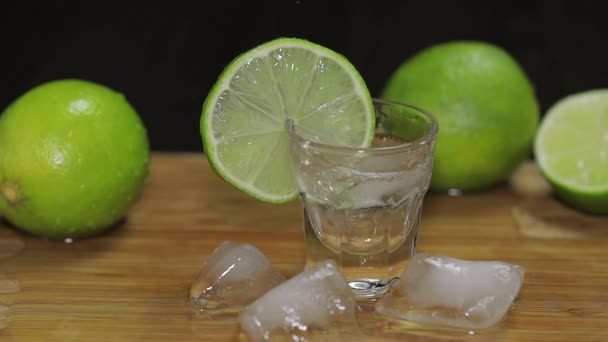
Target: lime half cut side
{"x":571,"y":149}
{"x":243,"y":118}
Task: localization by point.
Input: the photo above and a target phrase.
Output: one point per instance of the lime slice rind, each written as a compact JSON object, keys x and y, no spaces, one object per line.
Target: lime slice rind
{"x":259,"y":90}
{"x":576,"y":129}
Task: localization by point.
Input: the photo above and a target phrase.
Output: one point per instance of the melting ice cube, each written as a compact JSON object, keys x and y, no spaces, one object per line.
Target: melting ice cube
{"x":235,"y":274}
{"x":314,"y":299}
{"x":444,"y":290}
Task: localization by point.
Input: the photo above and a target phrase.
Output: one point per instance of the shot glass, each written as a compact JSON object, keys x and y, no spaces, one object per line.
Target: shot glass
{"x":362,"y":205}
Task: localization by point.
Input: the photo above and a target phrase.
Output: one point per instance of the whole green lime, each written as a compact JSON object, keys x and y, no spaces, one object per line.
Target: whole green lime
{"x":73,"y":158}
{"x":485,"y":106}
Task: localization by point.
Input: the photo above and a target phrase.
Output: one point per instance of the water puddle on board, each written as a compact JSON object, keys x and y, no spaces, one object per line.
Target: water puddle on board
{"x":10,"y":245}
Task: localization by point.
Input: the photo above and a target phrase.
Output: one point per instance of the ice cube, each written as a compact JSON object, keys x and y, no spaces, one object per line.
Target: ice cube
{"x":377,"y":189}
{"x":235,"y":274}
{"x":444,"y":290}
{"x":317,"y":298}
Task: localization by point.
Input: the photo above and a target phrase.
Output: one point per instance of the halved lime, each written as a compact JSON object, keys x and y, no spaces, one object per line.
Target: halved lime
{"x":571,"y":149}
{"x":243,"y":117}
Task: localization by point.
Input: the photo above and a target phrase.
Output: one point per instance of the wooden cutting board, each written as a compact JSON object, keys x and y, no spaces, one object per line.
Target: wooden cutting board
{"x":131,"y":283}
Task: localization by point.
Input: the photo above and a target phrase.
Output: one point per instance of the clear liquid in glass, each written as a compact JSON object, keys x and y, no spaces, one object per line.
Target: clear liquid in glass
{"x":368,"y":221}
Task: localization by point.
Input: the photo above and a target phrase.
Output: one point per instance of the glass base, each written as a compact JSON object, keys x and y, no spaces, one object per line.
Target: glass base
{"x":370,"y":288}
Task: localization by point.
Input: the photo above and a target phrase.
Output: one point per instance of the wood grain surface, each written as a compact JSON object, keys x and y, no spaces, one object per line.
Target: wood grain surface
{"x":131,"y":283}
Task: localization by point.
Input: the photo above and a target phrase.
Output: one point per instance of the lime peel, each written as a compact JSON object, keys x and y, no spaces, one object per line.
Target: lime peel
{"x":11,"y":192}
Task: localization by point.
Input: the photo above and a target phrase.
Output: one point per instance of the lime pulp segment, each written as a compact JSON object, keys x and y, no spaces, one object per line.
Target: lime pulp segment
{"x":572,"y":143}
{"x":242,"y":123}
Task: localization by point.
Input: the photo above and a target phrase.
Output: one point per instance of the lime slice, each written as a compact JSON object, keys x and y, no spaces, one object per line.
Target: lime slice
{"x":571,"y":149}
{"x":243,"y":117}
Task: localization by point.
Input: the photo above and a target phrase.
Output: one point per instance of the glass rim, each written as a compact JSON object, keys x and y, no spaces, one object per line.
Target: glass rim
{"x":421,"y":142}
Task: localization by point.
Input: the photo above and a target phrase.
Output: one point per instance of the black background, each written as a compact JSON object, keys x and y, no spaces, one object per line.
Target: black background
{"x":165,"y":56}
